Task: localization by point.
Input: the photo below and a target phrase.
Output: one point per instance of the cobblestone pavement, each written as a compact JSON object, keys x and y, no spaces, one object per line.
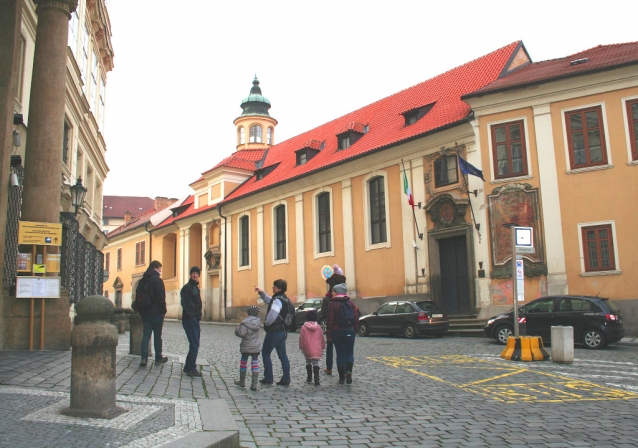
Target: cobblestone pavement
{"x":420,"y":392}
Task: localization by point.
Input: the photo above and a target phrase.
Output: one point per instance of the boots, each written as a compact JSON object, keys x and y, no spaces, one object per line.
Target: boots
{"x":342,"y":375}
{"x":315,"y":369}
{"x":309,"y":372}
{"x":253,"y":385}
{"x":349,"y":372}
{"x":241,"y":382}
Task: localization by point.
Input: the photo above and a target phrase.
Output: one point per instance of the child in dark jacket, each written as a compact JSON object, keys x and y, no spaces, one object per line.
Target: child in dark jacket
{"x":250,"y":345}
{"x":343,"y":332}
{"x":312,"y":344}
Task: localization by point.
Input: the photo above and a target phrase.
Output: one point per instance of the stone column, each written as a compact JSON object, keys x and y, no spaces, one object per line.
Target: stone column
{"x":93,"y":342}
{"x":43,"y":153}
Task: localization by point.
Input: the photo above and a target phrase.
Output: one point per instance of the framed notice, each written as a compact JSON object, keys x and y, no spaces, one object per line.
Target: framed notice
{"x":37,"y":287}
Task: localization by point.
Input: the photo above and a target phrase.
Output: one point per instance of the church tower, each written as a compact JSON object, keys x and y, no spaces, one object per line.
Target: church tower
{"x":255,"y":127}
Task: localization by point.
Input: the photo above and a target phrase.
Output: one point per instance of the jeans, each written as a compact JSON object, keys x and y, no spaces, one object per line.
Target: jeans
{"x":329,"y":354}
{"x":192,"y":330}
{"x":152,"y":324}
{"x":275,"y":341}
{"x":344,"y":346}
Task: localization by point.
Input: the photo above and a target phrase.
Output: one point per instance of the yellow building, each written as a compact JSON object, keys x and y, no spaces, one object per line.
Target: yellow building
{"x":556,"y":141}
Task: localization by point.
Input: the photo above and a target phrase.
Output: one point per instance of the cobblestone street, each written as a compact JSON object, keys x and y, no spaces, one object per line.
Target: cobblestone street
{"x":419,"y":392}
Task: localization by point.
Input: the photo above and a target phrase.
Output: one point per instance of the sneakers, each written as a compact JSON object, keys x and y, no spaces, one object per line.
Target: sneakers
{"x":161,"y":360}
{"x":193,"y":373}
{"x":143,"y":363}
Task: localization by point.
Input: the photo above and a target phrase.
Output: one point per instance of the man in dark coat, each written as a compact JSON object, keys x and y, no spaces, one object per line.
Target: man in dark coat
{"x":191,"y":315}
{"x":153,"y":317}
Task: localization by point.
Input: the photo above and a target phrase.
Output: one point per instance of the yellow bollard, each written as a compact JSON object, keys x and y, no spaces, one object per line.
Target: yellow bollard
{"x":512,"y":350}
{"x":525,"y":348}
{"x":538,"y":350}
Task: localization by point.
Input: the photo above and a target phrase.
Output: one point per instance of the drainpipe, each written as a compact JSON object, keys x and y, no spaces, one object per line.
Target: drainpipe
{"x":150,"y":242}
{"x":219,"y":210}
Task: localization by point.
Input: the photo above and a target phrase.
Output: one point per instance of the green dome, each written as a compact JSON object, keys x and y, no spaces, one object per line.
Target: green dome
{"x":255,"y":103}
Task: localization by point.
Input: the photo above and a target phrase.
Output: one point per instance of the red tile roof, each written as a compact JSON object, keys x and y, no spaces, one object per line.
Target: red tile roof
{"x":140,"y":220}
{"x":243,"y":159}
{"x":602,"y":57}
{"x":385,"y":122}
{"x":116,"y":206}
{"x":184,"y":211}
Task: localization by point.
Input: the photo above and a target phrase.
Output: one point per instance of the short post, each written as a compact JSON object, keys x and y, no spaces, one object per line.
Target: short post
{"x":135,"y":336}
{"x":121,"y":320}
{"x":93,"y":343}
{"x":563,"y":344}
{"x":128,"y":312}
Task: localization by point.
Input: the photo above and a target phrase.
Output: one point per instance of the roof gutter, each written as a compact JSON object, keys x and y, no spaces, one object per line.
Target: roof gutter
{"x":219,"y":210}
{"x":150,"y":242}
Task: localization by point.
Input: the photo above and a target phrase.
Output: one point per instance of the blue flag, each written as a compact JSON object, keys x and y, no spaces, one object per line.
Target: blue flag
{"x":468,"y":168}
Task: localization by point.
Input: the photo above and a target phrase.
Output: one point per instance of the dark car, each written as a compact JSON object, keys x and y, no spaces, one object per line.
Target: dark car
{"x":310,"y":304}
{"x":596,"y":321}
{"x":409,"y":318}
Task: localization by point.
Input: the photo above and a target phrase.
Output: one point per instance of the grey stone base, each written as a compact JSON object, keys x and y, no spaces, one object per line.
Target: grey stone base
{"x":88,"y":413}
{"x":218,"y":424}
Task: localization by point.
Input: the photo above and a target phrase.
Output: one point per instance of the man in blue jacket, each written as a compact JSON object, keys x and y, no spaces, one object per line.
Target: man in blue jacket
{"x":153,"y":317}
{"x":191,"y":315}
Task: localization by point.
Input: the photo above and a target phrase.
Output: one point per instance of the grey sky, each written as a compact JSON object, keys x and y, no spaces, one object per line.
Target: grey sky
{"x":182,"y":68}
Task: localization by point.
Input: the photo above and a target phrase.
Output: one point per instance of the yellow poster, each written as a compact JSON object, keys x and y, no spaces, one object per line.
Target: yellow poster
{"x":39,"y":268}
{"x":40,"y":233}
{"x":53,"y":263}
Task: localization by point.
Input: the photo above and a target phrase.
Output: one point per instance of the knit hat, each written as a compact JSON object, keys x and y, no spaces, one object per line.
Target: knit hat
{"x":195,"y":269}
{"x":335,"y":279}
{"x":341,"y":288}
{"x":253,"y":311}
{"x":311,"y":316}
{"x":337,"y":269}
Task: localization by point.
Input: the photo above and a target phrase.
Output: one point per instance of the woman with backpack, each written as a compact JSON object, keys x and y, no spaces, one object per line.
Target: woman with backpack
{"x":276,"y":335}
{"x":342,"y":327}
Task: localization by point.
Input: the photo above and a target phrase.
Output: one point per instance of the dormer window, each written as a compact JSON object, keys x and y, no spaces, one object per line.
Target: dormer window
{"x":306,"y":153}
{"x":259,"y":175}
{"x":350,"y":134}
{"x":344,"y":141}
{"x":414,"y":115}
{"x":302,"y":157}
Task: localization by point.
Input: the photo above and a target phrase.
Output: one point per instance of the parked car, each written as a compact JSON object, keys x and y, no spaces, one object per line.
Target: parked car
{"x":409,"y":318}
{"x":596,"y":321}
{"x":310,"y":304}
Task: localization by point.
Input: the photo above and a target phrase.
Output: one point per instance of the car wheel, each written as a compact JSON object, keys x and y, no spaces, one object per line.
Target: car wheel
{"x":363,"y":329}
{"x":323,"y":324}
{"x":503,"y":333}
{"x":593,"y":339}
{"x":409,"y":331}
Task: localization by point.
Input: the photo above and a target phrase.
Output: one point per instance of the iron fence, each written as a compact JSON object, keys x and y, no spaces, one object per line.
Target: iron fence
{"x":11,"y":236}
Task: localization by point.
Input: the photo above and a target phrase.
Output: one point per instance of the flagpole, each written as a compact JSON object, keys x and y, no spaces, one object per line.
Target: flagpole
{"x":416,"y":224}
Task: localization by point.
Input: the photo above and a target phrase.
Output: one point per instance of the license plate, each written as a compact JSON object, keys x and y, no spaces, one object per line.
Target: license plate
{"x":437,"y":315}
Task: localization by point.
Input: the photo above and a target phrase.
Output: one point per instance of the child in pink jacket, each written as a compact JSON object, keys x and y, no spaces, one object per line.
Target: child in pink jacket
{"x":312,"y":344}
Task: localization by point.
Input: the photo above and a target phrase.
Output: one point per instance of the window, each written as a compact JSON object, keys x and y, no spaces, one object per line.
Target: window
{"x":404,"y":308}
{"x":280,"y":229}
{"x":84,"y":64}
{"x":598,"y":248}
{"x":632,"y":114}
{"x":107,"y":261}
{"x":269,"y":136}
{"x":65,"y":144}
{"x":118,"y":265}
{"x":412,"y":116}
{"x":445,"y":172}
{"x":94,"y":75}
{"x":541,"y":306}
{"x":101,"y":105}
{"x":302,"y":157}
{"x":344,"y":142}
{"x":388,"y":308}
{"x":323,"y":224}
{"x":510,"y":156}
{"x":23,"y":48}
{"x":585,"y":137}
{"x":569,"y":304}
{"x":140,"y":253}
{"x":243,"y":242}
{"x":377,"y":211}
{"x":73,"y":33}
{"x":259,"y":175}
{"x":255,"y":134}
{"x":241,"y":136}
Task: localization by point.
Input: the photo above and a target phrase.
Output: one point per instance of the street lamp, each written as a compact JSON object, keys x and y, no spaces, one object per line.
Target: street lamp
{"x":77,"y":194}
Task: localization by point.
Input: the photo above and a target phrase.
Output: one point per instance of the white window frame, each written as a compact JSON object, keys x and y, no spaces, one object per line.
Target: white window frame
{"x":84,"y":67}
{"x":274,"y":233}
{"x":581,"y":249}
{"x":603,"y":112}
{"x":250,"y":258}
{"x":269,"y":135}
{"x":366,"y":210}
{"x":529,"y":174}
{"x":624,"y":102}
{"x":241,"y":135}
{"x":259,"y":135}
{"x":315,"y":226}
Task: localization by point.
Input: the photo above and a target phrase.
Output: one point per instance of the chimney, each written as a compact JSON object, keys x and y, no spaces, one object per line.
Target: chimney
{"x":161,"y":202}
{"x":127,"y":217}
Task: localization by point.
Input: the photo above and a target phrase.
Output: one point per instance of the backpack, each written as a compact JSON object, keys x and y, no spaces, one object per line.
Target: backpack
{"x":287,"y":313}
{"x":346,"y":317}
{"x":143,"y":301}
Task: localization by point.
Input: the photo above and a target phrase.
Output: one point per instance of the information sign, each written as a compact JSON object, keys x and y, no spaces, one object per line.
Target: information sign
{"x":37,"y":287}
{"x":520,"y":280}
{"x":40,"y":233}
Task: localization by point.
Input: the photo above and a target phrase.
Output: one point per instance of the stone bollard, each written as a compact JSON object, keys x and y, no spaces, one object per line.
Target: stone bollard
{"x":135,"y":336}
{"x":128,"y":312}
{"x":121,"y":320}
{"x":563,"y":344}
{"x":93,"y":345}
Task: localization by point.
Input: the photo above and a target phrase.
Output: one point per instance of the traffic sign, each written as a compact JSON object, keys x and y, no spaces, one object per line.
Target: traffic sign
{"x":39,"y":233}
{"x":524,"y":236}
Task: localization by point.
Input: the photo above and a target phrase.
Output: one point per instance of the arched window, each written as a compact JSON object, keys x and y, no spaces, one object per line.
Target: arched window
{"x":255,"y":134}
{"x":323,"y":222}
{"x":243,"y":241}
{"x":269,"y":139}
{"x":377,"y":210}
{"x":241,"y":135}
{"x":280,"y":232}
